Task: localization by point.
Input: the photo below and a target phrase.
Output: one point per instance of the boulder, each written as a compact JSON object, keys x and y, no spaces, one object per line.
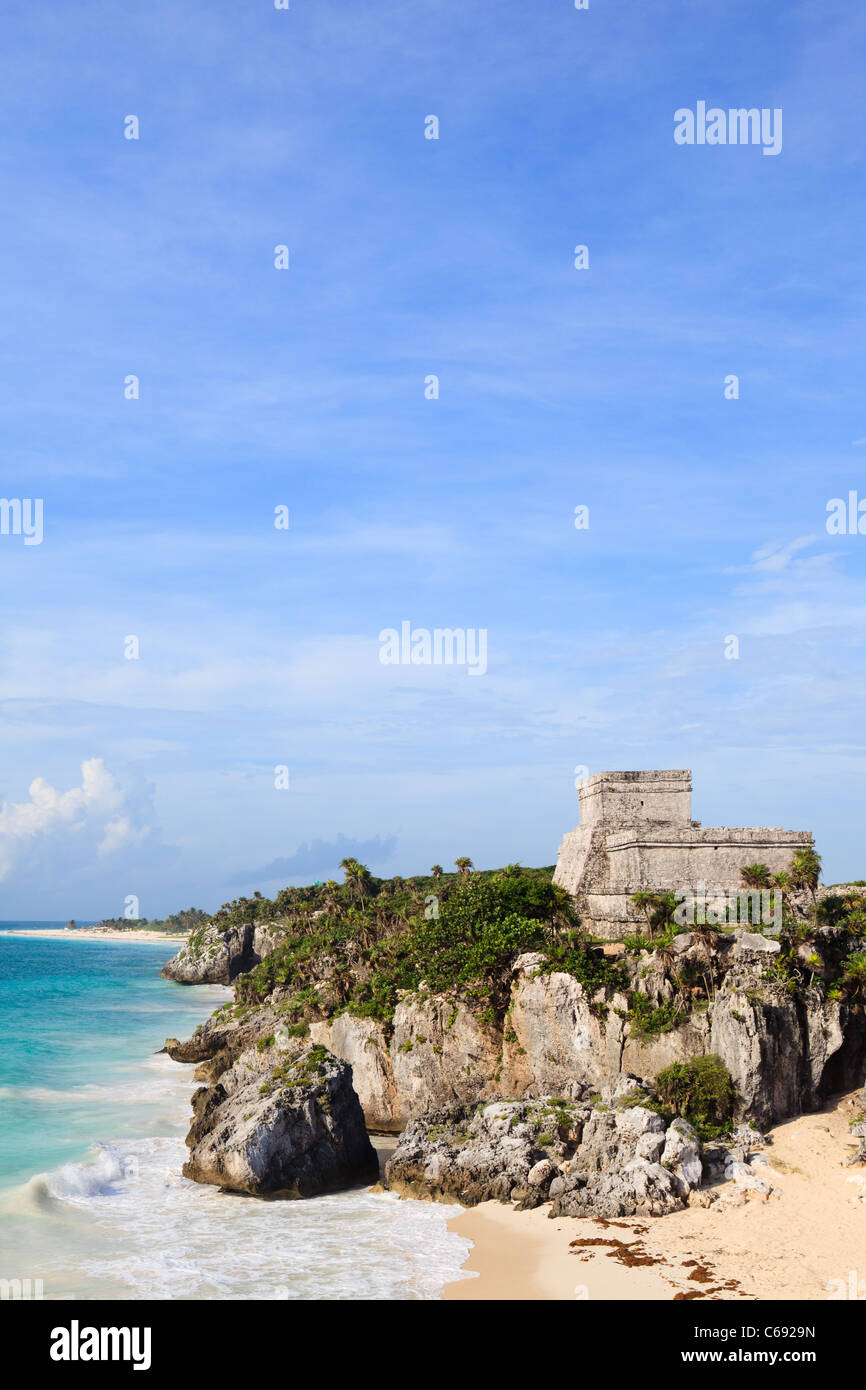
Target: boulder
{"x":611,"y":1139}
{"x":640,"y":1188}
{"x":681,"y":1154}
{"x":502,"y":1151}
{"x":748,"y":943}
{"x":282,"y":1121}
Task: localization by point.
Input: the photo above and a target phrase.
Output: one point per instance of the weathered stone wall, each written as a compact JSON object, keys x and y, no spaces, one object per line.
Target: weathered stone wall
{"x":636,"y":834}
{"x":620,"y":798}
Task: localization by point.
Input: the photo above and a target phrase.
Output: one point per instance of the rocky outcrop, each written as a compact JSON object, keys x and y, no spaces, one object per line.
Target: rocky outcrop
{"x":503,"y":1151}
{"x":604,"y":1155}
{"x":216,"y":1044}
{"x":630,"y":1162}
{"x":282,"y":1121}
{"x":211,"y":956}
{"x":785,"y":1049}
{"x":775,"y":1045}
{"x":639,"y":1188}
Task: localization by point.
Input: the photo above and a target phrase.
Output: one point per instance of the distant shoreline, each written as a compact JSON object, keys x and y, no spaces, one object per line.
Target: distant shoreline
{"x":92,"y":934}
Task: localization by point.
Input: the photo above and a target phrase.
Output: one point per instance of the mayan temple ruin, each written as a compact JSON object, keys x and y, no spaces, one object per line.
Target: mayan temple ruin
{"x":636,"y":834}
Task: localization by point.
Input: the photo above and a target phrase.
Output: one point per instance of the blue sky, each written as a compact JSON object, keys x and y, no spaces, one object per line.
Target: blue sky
{"x":305,"y":388}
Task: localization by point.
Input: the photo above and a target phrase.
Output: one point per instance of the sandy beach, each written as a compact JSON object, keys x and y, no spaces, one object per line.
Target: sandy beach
{"x":91,"y":934}
{"x":807,"y":1243}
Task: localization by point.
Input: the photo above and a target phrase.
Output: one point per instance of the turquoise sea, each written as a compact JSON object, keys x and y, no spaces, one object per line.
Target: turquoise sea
{"x":92,"y":1122}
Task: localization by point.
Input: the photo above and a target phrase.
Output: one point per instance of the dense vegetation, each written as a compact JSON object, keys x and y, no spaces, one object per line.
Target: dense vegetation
{"x":354,"y":946}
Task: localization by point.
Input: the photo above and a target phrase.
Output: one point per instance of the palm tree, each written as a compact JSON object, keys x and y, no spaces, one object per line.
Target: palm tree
{"x":854,"y":981}
{"x":782,"y":881}
{"x":756,"y":875}
{"x":436,"y":871}
{"x":814,"y":963}
{"x":510,"y":871}
{"x":806,"y":870}
{"x":330,"y":898}
{"x":657,"y":908}
{"x":665,"y":954}
{"x":464,"y":866}
{"x":669,"y":961}
{"x":706,"y":939}
{"x":562,"y":905}
{"x":856,"y":921}
{"x":357,"y":874}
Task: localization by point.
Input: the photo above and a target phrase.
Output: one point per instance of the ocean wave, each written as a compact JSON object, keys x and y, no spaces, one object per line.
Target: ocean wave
{"x":151,"y":1233}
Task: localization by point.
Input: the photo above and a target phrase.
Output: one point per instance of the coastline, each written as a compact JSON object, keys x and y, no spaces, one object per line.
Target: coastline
{"x":806,"y":1244}
{"x":91,"y":934}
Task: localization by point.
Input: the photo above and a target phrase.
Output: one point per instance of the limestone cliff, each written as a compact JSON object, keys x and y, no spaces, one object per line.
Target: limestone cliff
{"x":785,"y":1048}
{"x":215,"y":955}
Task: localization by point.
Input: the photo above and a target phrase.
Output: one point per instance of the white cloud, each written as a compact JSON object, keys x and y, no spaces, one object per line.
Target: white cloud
{"x":96,"y":807}
{"x":120,"y":833}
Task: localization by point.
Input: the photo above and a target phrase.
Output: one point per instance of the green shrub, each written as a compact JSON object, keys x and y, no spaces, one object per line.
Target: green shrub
{"x":638,"y":943}
{"x":701,"y":1091}
{"x":569,"y":955}
{"x":647,"y":1020}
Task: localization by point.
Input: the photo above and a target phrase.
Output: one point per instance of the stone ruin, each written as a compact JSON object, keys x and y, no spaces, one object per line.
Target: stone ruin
{"x":636,"y":834}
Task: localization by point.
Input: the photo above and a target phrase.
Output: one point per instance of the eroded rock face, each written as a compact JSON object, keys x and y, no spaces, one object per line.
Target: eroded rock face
{"x":775,"y":1046}
{"x":592,"y":1156}
{"x":502,"y":1151}
{"x":214,"y":957}
{"x":785,"y":1052}
{"x":282,"y":1121}
{"x":558,"y":1038}
{"x":362,"y":1043}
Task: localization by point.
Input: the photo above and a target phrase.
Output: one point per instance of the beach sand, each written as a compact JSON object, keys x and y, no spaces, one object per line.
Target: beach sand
{"x":790,"y":1246}
{"x":91,"y":934}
